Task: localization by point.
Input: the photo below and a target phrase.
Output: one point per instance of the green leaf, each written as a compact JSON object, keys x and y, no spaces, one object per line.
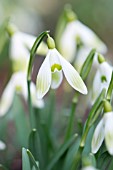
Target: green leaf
{"x":21,"y":121}
{"x":70,"y":154}
{"x":61,"y":151}
{"x":33,"y":162}
{"x":35,"y":147}
{"x":25,"y":160}
{"x":87,"y":64}
{"x":110,"y":88}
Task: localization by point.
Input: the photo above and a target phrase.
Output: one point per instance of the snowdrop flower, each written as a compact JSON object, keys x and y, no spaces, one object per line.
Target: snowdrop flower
{"x":101,"y":80}
{"x":51,"y":72}
{"x":89,"y":168}
{"x":2,"y":145}
{"x":18,"y":84}
{"x":20,"y":46}
{"x":76,"y":34}
{"x":103,"y":130}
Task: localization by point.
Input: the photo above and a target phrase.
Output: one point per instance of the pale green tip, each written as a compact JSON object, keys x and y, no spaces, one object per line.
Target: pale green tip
{"x":50,"y":42}
{"x":70,"y":14}
{"x":107,"y":106}
{"x":101,"y":58}
{"x":11,"y":29}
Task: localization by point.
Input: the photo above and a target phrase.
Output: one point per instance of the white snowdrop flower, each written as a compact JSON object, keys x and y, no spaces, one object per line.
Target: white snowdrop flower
{"x":75,"y":31}
{"x":18,"y":84}
{"x":2,"y":145}
{"x":101,"y":80}
{"x":20,"y":46}
{"x":89,"y":168}
{"x":104,"y":130}
{"x":51,"y":73}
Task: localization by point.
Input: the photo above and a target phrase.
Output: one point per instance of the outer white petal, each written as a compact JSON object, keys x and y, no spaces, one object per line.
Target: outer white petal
{"x":89,"y":38}
{"x":56,"y":79}
{"x":2,"y":145}
{"x":98,"y":136}
{"x":7,"y":98}
{"x":106,"y":69}
{"x":37,"y":103}
{"x":28,"y":41}
{"x":108,"y":118}
{"x":20,"y":83}
{"x":89,"y":168}
{"x":96,"y":86}
{"x":19,"y":53}
{"x":81,"y":57}
{"x":72,"y":75}
{"x":43,"y":81}
{"x":67,"y":45}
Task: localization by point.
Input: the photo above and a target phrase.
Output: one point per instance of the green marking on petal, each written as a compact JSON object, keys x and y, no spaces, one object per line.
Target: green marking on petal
{"x":103,"y":79}
{"x":56,"y":66}
{"x":18,"y":88}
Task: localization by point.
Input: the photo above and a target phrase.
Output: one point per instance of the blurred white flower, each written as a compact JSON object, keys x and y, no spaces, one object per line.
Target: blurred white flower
{"x":77,"y":33}
{"x":2,"y":145}
{"x":50,"y":74}
{"x":18,"y":84}
{"x":89,"y":168}
{"x":20,"y":46}
{"x":104,"y":130}
{"x":101,"y":80}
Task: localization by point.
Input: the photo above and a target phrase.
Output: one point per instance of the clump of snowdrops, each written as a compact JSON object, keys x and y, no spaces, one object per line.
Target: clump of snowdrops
{"x":57,"y":126}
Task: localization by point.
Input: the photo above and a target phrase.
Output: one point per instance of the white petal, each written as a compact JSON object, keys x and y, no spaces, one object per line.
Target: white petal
{"x":98,"y":136}
{"x":89,"y":38}
{"x":43,"y":81}
{"x":7,"y":98}
{"x":106,"y":70}
{"x":89,"y":168}
{"x":108,"y":118}
{"x":82,"y":54}
{"x":36,"y":102}
{"x":2,"y":145}
{"x":72,"y":76}
{"x":56,"y":79}
{"x":18,"y":53}
{"x":96,"y":86}
{"x":20,"y":83}
{"x":67,"y":44}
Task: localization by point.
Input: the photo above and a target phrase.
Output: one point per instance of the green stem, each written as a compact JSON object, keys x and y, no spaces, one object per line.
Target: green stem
{"x":29,"y":72}
{"x":71,"y":118}
{"x":32,"y":115}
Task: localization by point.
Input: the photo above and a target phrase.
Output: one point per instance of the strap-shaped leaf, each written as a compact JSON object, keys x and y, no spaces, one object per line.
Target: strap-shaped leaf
{"x":25,"y":160}
{"x":61,"y":151}
{"x":87,"y":64}
{"x":35,"y":146}
{"x":110,"y":88}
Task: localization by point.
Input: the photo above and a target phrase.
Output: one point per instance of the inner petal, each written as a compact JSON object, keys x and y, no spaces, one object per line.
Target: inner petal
{"x":57,"y":77}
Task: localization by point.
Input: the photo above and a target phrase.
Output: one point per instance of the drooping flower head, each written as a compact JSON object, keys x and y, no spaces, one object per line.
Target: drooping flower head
{"x":102,"y":79}
{"x":18,"y":84}
{"x":75,"y":35}
{"x":20,"y":46}
{"x":104,"y":130}
{"x":51,"y":72}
